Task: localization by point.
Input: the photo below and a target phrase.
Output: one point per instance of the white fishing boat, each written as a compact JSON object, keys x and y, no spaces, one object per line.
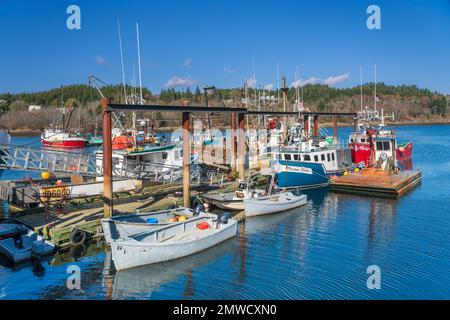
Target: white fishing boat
{"x":25,"y":246}
{"x":126,"y":225}
{"x":172,"y":241}
{"x":273,"y":203}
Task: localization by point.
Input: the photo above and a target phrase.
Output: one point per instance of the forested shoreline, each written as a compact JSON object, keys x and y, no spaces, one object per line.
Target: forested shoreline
{"x":409,"y":103}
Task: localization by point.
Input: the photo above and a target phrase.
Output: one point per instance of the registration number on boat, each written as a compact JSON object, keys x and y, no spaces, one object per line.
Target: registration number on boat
{"x":54,"y":193}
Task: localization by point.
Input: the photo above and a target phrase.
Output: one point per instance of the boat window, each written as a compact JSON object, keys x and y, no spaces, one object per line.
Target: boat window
{"x":296,"y":157}
{"x":332,"y":156}
{"x":386,"y":145}
{"x":322,"y":157}
{"x":328,"y":157}
{"x":287,"y":157}
{"x":351,"y":140}
{"x":363,"y":140}
{"x":380,"y":145}
{"x":307,"y":157}
{"x":316,"y":158}
{"x":164,"y":155}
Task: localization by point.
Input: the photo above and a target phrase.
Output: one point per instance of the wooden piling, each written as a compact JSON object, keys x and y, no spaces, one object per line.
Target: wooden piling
{"x":107,"y":160}
{"x":233,"y":142}
{"x":186,"y":161}
{"x":241,"y":148}
{"x":316,"y":126}
{"x":306,"y":123}
{"x":335,"y":131}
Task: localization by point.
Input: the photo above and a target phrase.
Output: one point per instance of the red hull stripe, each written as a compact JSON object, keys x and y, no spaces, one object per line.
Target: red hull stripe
{"x":65,"y":144}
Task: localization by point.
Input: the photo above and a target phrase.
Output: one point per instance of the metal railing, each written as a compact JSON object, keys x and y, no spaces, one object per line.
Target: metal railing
{"x":28,"y":159}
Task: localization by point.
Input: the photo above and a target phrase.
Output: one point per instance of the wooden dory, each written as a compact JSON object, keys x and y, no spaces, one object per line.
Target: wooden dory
{"x":126,"y":225}
{"x":172,"y":241}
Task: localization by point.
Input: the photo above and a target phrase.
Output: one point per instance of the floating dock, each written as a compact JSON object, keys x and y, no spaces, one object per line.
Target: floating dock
{"x":389,"y":185}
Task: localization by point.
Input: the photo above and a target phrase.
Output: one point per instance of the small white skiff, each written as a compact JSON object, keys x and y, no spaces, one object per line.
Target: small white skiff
{"x":172,"y":241}
{"x":273,"y":203}
{"x":127,"y":225}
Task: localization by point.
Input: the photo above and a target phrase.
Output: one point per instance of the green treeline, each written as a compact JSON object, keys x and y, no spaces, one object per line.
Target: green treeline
{"x":408,"y":102}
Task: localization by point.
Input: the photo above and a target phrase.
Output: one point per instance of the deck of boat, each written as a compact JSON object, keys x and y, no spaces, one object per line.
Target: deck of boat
{"x":392,"y":185}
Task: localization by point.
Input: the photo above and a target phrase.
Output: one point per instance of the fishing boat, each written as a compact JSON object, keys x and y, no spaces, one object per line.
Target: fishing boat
{"x":25,"y":246}
{"x":5,"y":136}
{"x":59,"y":138}
{"x":273,"y":203}
{"x":126,"y":225}
{"x":307,"y":161}
{"x":158,"y":158}
{"x":172,"y":241}
{"x":373,"y":141}
{"x":5,"y":139}
{"x":370,"y":143}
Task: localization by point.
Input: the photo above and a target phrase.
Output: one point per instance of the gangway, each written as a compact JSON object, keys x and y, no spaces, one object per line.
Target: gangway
{"x":13,"y":157}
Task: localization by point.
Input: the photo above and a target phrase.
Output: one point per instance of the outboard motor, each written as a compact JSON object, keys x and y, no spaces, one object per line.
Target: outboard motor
{"x":199,"y":209}
{"x":224,"y":217}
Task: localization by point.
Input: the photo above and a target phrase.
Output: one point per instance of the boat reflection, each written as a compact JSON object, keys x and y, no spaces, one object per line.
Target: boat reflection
{"x":141,"y":282}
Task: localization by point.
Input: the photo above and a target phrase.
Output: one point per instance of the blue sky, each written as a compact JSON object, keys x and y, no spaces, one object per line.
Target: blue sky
{"x":215,"y":42}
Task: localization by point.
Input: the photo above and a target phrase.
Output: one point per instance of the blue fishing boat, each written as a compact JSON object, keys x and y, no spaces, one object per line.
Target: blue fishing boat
{"x":309,"y":161}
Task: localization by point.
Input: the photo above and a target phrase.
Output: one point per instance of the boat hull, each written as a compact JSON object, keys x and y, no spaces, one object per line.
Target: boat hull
{"x":404,"y":152}
{"x":69,"y":144}
{"x":128,"y":254}
{"x":225,"y":201}
{"x":257,"y":207}
{"x":301,"y":175}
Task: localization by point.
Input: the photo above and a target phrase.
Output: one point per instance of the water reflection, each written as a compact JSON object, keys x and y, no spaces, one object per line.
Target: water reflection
{"x":141,"y":282}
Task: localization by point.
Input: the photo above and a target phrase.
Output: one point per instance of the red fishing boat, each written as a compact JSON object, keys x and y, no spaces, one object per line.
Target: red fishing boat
{"x":58,"y":138}
{"x":369,"y":144}
{"x":61,"y":136}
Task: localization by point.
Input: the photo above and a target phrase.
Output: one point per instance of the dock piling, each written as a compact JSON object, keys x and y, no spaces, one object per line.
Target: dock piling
{"x":233,"y":142}
{"x":335,"y":133}
{"x":241,"y":146}
{"x":107,"y":161}
{"x":186,"y":161}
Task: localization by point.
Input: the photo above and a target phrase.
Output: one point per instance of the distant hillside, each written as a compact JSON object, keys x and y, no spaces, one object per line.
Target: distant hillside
{"x":409,"y":103}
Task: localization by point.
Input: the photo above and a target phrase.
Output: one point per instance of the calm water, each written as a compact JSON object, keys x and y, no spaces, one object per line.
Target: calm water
{"x":320,"y":251}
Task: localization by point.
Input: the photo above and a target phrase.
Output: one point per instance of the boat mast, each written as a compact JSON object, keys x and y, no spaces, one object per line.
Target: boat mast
{"x":375,"y":98}
{"x":139,"y":65}
{"x":361,"y":86}
{"x":63,"y":110}
{"x":121,"y":61}
{"x":278,"y":84}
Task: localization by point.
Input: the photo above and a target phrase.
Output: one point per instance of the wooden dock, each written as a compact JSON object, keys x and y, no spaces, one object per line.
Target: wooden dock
{"x":390,"y":185}
{"x":57,"y":225}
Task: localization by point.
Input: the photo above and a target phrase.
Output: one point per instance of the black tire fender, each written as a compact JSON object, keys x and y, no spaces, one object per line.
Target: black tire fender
{"x":77,"y":237}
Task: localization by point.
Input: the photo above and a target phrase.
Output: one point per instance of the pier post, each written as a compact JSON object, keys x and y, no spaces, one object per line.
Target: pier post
{"x":306,"y":124}
{"x":316,"y":126}
{"x":241,"y":148}
{"x":233,"y":142}
{"x":186,"y":161}
{"x":107,"y":161}
{"x":335,"y":133}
